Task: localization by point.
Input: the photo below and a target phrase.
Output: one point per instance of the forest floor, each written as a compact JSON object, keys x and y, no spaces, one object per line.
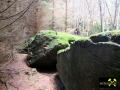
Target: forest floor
{"x":16,"y":75}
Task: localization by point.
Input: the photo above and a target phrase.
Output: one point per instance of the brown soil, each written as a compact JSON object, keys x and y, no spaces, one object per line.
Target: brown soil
{"x":16,"y":75}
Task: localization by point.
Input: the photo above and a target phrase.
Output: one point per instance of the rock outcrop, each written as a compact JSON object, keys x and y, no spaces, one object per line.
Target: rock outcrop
{"x":81,"y":62}
{"x":85,"y":62}
{"x":100,"y":38}
{"x":42,"y":48}
{"x":113,"y":36}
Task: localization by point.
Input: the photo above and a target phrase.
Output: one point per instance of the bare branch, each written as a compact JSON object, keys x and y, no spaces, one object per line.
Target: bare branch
{"x":19,"y":16}
{"x":8,"y":7}
{"x":89,"y":9}
{"x":108,"y":9}
{"x":101,"y":16}
{"x":5,"y":18}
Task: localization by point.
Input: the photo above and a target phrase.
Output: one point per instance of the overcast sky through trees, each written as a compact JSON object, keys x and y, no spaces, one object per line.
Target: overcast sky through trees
{"x":80,"y":8}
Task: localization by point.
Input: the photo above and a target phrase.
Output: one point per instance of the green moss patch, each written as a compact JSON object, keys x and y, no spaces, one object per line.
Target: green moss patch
{"x":51,"y":39}
{"x":44,"y":46}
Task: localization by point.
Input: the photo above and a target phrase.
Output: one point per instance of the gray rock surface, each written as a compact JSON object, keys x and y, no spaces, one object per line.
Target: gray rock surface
{"x":113,"y":36}
{"x":100,"y":38}
{"x":116,"y":39}
{"x":81,"y":66}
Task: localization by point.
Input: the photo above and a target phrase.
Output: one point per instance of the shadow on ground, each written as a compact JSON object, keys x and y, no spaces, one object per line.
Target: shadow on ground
{"x":48,"y":70}
{"x":58,"y":82}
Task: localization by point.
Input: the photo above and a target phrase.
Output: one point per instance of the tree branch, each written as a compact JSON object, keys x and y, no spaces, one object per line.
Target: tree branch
{"x":5,"y":18}
{"x":108,"y":10}
{"x":19,"y":16}
{"x":8,"y":7}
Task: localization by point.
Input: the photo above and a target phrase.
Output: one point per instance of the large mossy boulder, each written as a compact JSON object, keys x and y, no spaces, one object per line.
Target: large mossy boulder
{"x":81,"y":66}
{"x":113,"y":36}
{"x":42,"y":48}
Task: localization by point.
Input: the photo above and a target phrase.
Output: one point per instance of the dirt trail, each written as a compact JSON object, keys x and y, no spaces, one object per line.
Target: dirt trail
{"x":18,"y":76}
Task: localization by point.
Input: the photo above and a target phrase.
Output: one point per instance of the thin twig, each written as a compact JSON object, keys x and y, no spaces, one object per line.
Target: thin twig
{"x":13,"y":86}
{"x":108,"y":10}
{"x":8,"y":7}
{"x":4,"y":83}
{"x":5,"y":18}
{"x":19,"y":16}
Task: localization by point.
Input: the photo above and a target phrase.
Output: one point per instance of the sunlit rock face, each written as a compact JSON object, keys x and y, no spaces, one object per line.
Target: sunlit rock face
{"x":85,"y":62}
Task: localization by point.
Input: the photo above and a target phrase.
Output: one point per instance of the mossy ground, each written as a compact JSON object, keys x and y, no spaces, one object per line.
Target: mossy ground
{"x":59,"y":37}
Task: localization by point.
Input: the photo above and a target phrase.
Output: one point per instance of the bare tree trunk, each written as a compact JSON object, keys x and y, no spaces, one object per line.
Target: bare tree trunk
{"x":101,"y":16}
{"x":115,"y":14}
{"x":73,"y":14}
{"x":108,"y":10}
{"x":90,"y":14}
{"x":66,"y":14}
{"x":53,"y":15}
{"x":118,"y":20}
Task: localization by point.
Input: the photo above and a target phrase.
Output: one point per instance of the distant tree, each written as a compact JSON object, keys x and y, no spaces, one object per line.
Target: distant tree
{"x":66,"y":14}
{"x":117,"y":2}
{"x":95,"y":29}
{"x":106,"y":4}
{"x":89,"y":10}
{"x":73,"y":13}
{"x":101,"y":15}
{"x":53,"y":15}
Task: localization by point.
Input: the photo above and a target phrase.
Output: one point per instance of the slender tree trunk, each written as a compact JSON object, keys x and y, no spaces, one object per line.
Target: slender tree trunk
{"x":108,"y":10}
{"x":88,"y":7}
{"x":115,"y":14}
{"x":90,"y":14}
{"x":73,"y":14}
{"x":101,"y":16}
{"x":53,"y":17}
{"x":66,"y":14}
{"x":118,"y":20}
